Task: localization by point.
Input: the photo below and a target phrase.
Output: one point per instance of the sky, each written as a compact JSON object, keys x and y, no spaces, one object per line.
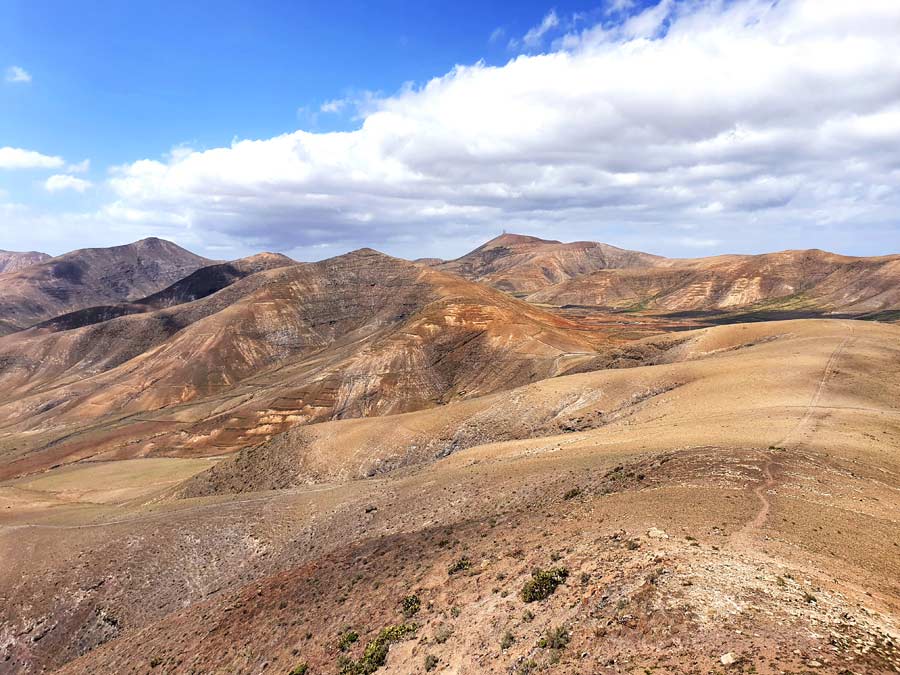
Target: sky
{"x":678,"y":127}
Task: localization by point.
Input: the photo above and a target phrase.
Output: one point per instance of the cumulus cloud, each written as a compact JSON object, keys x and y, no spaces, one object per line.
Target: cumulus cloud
{"x":18,"y":75}
{"x":59,"y":182}
{"x":19,"y":158}
{"x":754,"y":123}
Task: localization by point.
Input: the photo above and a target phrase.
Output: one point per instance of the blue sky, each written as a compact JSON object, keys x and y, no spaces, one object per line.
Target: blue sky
{"x":164,"y":90}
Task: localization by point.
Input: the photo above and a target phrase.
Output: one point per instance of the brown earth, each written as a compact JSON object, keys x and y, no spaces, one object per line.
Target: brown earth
{"x":731,"y":508}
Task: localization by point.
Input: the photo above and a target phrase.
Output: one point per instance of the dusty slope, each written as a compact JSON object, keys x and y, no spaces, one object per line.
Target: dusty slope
{"x":90,"y":277}
{"x":768,"y":454}
{"x":14,"y":261}
{"x":520,"y":264}
{"x":361,"y":334}
{"x":790,"y":280}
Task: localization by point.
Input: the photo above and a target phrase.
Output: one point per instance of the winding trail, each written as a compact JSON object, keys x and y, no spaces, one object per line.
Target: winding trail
{"x":761,"y":491}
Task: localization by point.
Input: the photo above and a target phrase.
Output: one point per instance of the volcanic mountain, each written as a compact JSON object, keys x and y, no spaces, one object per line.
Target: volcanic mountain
{"x":90,"y":277}
{"x":520,"y":264}
{"x":789,"y":280}
{"x":358,"y":335}
{"x":14,"y":261}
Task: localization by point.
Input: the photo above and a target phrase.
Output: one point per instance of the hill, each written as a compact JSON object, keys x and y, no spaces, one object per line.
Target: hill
{"x":787,"y":281}
{"x":520,"y":264}
{"x":90,"y":277}
{"x":685,"y":522}
{"x":358,"y":335}
{"x":14,"y":261}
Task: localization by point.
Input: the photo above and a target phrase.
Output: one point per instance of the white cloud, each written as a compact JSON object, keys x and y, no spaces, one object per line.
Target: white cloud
{"x":536,"y":34}
{"x":497,"y":34}
{"x":333,"y":106}
{"x":759,"y":124}
{"x":19,"y":158}
{"x":60,"y":182}
{"x":17,"y":74}
{"x":79,"y":167}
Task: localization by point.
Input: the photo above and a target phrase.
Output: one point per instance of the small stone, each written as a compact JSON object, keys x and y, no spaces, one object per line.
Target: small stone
{"x":814,"y":664}
{"x":728,"y":659}
{"x":656,"y":533}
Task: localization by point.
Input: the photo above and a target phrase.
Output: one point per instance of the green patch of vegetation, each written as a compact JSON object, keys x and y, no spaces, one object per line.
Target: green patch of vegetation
{"x":375,"y":654}
{"x":528,"y":667}
{"x":431,"y":662}
{"x":347,"y":640}
{"x":507,"y":640}
{"x":527,"y":616}
{"x":301,"y":669}
{"x":410,"y":605}
{"x":543,"y":583}
{"x":460,"y":565}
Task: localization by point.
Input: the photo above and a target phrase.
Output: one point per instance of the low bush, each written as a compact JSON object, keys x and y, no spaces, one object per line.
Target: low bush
{"x":543,"y":583}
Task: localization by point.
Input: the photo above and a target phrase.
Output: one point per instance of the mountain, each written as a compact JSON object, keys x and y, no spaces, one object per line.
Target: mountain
{"x":90,"y":277}
{"x":358,"y":335}
{"x":13,"y":261}
{"x":788,"y":280}
{"x":520,"y":264}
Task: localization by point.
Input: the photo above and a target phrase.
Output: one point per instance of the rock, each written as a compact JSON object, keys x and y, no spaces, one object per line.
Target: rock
{"x":814,"y":664}
{"x":728,"y":659}
{"x":656,"y":533}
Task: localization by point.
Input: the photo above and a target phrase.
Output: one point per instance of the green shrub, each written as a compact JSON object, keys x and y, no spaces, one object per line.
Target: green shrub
{"x":375,"y":654}
{"x":507,"y":640}
{"x":347,"y":640}
{"x":571,"y":494}
{"x":300,"y":669}
{"x":543,"y":583}
{"x":460,"y":565}
{"x":410,"y":605}
{"x":431,"y":662}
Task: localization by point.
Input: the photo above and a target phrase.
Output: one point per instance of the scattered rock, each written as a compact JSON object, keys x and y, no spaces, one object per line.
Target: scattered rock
{"x":728,"y":659}
{"x":656,"y":533}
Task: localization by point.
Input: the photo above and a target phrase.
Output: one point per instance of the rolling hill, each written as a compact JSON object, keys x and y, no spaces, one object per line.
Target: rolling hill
{"x":14,"y":261}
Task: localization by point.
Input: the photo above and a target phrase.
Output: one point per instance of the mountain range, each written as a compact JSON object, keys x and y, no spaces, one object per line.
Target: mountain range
{"x":540,"y":456}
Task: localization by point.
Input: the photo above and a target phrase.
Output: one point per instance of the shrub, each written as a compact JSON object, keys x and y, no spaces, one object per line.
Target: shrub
{"x":543,"y":583}
{"x":300,"y":669}
{"x":460,"y":565}
{"x":410,"y":605}
{"x":507,"y":640}
{"x":555,"y":638}
{"x":442,"y":633}
{"x":527,"y":616}
{"x":431,"y":662}
{"x":347,"y":640}
{"x":571,"y":494}
{"x":375,"y":654}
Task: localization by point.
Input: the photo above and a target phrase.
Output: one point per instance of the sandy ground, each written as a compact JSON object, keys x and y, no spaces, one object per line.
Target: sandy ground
{"x":734,"y":510}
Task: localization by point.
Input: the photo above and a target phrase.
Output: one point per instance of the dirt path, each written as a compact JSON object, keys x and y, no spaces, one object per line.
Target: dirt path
{"x":761,"y":491}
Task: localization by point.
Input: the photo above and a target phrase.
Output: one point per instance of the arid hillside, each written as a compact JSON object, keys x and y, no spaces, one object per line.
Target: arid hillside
{"x":789,"y":280}
{"x":14,"y":261}
{"x":519,"y":264}
{"x":717,"y":512}
{"x":91,"y":277}
{"x":358,"y":335}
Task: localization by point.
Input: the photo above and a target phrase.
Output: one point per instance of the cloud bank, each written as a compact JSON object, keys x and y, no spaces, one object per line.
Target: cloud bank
{"x":19,"y":158}
{"x":690,"y":125}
